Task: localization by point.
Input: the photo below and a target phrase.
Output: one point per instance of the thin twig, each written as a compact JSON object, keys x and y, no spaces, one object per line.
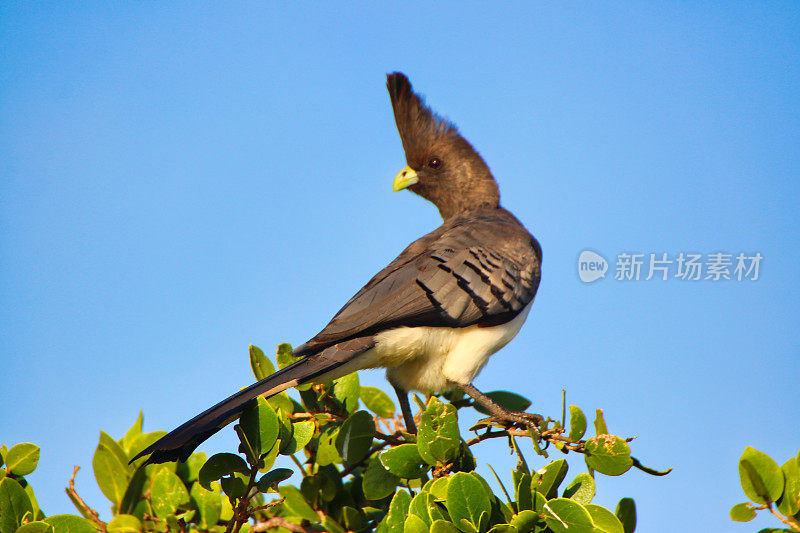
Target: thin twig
{"x":241,"y":512}
{"x":277,"y":521}
{"x":268,"y":505}
{"x":394,"y":438}
{"x":788,"y":520}
{"x":94,"y":516}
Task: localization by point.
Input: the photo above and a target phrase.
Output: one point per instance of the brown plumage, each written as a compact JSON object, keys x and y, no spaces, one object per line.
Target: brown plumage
{"x":462,"y":181}
{"x":435,"y":314}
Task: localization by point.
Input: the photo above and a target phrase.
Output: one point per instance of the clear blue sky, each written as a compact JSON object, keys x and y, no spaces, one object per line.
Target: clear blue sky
{"x":180,"y":180}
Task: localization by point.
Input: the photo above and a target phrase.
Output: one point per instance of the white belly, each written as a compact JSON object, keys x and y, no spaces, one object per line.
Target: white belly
{"x":430,"y":359}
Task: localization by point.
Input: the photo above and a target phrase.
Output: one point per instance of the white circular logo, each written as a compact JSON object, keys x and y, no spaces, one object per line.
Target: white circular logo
{"x":591,"y":266}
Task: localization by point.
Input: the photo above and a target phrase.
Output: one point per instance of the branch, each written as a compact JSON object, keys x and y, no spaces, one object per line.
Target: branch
{"x":277,"y":521}
{"x":93,"y":515}
{"x":547,"y":436}
{"x":788,"y":520}
{"x":241,"y":511}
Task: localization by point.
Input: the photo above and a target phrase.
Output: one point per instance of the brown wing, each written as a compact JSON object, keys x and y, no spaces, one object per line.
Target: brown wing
{"x":479,"y":271}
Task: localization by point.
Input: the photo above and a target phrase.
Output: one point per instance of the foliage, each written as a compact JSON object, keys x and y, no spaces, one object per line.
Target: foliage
{"x":771,"y":487}
{"x":359,"y":471}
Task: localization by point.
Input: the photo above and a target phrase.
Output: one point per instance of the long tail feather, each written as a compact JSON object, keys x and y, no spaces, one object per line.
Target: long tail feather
{"x":179,"y":443}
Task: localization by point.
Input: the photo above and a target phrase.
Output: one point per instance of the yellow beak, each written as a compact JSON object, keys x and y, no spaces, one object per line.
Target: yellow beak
{"x":404,"y":178}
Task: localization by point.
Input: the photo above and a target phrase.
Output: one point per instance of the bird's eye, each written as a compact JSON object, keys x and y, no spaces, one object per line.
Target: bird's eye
{"x":435,"y":163}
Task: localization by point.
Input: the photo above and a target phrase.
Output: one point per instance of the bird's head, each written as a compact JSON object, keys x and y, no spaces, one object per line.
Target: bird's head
{"x":442,"y":166}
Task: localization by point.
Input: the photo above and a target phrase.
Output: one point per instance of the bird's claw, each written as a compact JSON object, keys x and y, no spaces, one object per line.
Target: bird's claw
{"x":511,"y":419}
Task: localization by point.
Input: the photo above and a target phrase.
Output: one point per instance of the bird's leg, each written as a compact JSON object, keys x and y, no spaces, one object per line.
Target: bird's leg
{"x":405,"y":407}
{"x":498,"y":412}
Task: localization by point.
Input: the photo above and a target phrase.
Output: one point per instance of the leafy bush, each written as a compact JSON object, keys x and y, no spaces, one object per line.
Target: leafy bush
{"x":769,"y":487}
{"x":361,"y":471}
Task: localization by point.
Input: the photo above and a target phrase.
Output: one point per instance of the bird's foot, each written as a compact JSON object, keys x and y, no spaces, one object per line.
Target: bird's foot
{"x":510,"y":419}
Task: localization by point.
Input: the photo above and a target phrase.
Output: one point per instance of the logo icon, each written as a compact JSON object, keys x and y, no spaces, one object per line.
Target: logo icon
{"x":591,"y":266}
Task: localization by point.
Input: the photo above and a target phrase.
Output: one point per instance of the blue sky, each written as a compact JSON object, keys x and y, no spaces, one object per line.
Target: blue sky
{"x":180,"y":180}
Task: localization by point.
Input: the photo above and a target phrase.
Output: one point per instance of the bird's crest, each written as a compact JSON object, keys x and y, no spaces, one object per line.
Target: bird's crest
{"x":418,"y":125}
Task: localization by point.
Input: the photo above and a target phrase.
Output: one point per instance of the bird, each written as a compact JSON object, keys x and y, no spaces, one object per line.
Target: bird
{"x":437,"y":312}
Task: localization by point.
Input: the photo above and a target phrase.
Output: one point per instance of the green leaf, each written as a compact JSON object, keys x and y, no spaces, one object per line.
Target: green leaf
{"x":22,"y":459}
{"x":221,"y":464}
{"x":483,"y":483}
{"x":547,"y":479}
{"x":608,"y":454}
{"x":111,"y":469}
{"x":567,"y":516}
{"x":36,"y":527}
{"x":267,"y":461}
{"x":14,"y":503}
{"x":301,"y":435}
{"x":142,"y":441}
{"x":352,"y":519}
{"x":441,"y":526}
{"x":626,"y":512}
{"x":332,"y":526}
{"x":208,"y":504}
{"x":438,"y":437}
{"x":581,"y":489}
{"x":760,"y":476}
{"x":789,"y":502}
{"x":284,"y":355}
{"x":604,"y":520}
{"x":235,"y":485}
{"x":282,"y":401}
{"x":133,"y":492}
{"x":526,"y":520}
{"x":420,"y":505}
{"x":600,"y":423}
{"x":260,"y":425}
{"x":37,"y":513}
{"x":261,"y":366}
{"x":355,"y":437}
{"x":116,"y":449}
{"x":742,"y":512}
{"x":124,"y":523}
{"x":189,"y":471}
{"x":404,"y":461}
{"x":285,"y":428}
{"x":69,"y":523}
{"x":398,"y":510}
{"x":466,"y":499}
{"x":522,"y":465}
{"x":377,"y":401}
{"x":245,"y":446}
{"x":227,"y":510}
{"x":577,"y":424}
{"x":378,"y":482}
{"x":466,"y":526}
{"x":504,"y":528}
{"x":414,"y":524}
{"x":271,"y":479}
{"x":327,"y":453}
{"x":347,"y":390}
{"x":438,"y":487}
{"x":297,"y":504}
{"x":134,"y":431}
{"x":523,"y":494}
{"x":508,"y":400}
{"x":167,"y":493}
